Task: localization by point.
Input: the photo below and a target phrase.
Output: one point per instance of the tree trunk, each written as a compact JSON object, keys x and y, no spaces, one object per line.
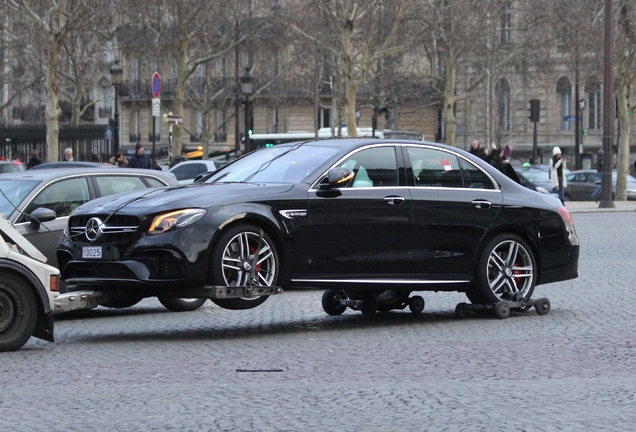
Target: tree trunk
{"x":76,"y":107}
{"x":352,"y":127}
{"x":449,"y":100}
{"x":53,"y":111}
{"x":179,"y":94}
{"x":622,"y":168}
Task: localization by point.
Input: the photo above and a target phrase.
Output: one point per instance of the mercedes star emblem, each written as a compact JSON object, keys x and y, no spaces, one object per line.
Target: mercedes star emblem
{"x":94,"y":229}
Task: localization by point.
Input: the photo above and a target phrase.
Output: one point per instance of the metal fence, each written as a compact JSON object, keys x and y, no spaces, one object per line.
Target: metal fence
{"x":87,"y":141}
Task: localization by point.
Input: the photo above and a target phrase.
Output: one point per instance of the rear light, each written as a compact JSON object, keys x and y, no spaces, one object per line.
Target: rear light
{"x":565,"y":215}
{"x":54,"y":283}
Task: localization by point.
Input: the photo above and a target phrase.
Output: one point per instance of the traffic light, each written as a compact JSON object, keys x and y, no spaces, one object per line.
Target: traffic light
{"x":535,"y":110}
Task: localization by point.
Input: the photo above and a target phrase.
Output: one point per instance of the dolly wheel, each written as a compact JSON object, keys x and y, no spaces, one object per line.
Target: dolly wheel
{"x":369,"y":307}
{"x":542,"y":306}
{"x":332,"y":302}
{"x":461,"y":311}
{"x":502,"y":310}
{"x":416,"y":304}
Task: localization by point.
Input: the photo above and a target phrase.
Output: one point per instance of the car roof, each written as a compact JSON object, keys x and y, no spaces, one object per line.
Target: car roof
{"x":53,"y":173}
{"x":208,"y":162}
{"x":72,"y":164}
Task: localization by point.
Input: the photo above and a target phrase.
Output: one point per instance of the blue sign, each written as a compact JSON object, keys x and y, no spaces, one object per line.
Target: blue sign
{"x":156,"y":85}
{"x":108,"y":133}
{"x":570,"y":118}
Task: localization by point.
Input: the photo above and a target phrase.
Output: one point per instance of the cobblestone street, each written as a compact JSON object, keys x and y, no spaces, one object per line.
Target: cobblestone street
{"x":286,"y":365}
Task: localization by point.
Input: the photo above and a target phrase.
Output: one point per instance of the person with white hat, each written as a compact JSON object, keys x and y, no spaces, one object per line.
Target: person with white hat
{"x":557,"y":174}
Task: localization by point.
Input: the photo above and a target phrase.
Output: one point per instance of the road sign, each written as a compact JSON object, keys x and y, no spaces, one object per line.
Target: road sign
{"x":156,"y":107}
{"x":174,"y":119}
{"x":570,"y":118}
{"x":156,"y":85}
{"x":108,"y":133}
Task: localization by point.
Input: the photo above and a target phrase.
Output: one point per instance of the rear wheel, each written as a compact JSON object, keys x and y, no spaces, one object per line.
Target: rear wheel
{"x":175,"y":304}
{"x":243,"y":256}
{"x":18,"y":312}
{"x":506,"y":270}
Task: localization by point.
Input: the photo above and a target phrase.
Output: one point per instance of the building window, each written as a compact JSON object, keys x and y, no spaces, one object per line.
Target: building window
{"x":505,"y":23}
{"x":324,"y":117}
{"x":502,"y":93}
{"x":135,"y":126}
{"x":594,"y":103}
{"x":564,"y":92}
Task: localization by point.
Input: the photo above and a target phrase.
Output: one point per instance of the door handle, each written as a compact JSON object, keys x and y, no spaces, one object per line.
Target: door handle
{"x":482,"y":204}
{"x":394,"y":200}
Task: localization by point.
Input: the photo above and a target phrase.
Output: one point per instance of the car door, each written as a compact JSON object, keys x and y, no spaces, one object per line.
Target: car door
{"x":454,"y":203}
{"x":62,"y":196}
{"x":359,"y":231}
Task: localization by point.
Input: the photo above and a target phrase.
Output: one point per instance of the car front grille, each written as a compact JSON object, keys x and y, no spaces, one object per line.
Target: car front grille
{"x":116,"y":229}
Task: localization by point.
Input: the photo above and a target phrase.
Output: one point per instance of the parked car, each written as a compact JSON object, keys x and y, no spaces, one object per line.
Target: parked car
{"x":368,"y":219}
{"x":539,"y":175}
{"x":27,"y":196}
{"x":581,"y":185}
{"x":525,"y":181}
{"x":72,"y":164}
{"x":11,"y":166}
{"x":186,"y":171}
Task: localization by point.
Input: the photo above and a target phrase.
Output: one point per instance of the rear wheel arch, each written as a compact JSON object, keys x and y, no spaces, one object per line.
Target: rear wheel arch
{"x":515,"y":231}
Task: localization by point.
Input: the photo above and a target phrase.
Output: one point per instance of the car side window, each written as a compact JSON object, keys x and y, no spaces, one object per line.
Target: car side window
{"x":435,"y":168}
{"x":109,"y":185}
{"x":188,"y":171}
{"x":154,"y":182}
{"x":373,"y":167}
{"x":62,"y":197}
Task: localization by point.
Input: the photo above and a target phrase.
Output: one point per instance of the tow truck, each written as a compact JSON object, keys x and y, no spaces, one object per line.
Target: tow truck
{"x":29,"y":291}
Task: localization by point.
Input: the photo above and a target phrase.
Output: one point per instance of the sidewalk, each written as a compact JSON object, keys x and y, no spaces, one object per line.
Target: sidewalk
{"x":592,"y":207}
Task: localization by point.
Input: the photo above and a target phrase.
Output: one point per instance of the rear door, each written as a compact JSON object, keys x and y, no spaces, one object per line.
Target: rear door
{"x":454,"y":203}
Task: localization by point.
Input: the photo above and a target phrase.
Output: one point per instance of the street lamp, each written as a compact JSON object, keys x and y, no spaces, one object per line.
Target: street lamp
{"x":116,"y":75}
{"x":247,"y":88}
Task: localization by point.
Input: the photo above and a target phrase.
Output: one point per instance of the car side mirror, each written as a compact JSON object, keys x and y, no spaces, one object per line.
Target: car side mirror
{"x":40,"y":215}
{"x":339,"y":177}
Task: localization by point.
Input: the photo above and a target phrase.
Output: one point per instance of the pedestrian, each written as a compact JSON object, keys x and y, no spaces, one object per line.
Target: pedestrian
{"x":557,"y":175}
{"x":139,"y":159}
{"x":499,"y":158}
{"x":34,"y":159}
{"x":119,"y":160}
{"x":599,"y":175}
{"x":68,"y":154}
{"x":93,"y":158}
{"x":17,"y":158}
{"x":475,"y":149}
{"x":238,"y":154}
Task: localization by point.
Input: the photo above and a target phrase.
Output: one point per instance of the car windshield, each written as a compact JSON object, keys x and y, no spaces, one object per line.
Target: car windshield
{"x":13,"y":193}
{"x":279,"y":164}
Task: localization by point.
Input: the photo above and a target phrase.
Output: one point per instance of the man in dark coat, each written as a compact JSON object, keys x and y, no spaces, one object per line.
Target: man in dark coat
{"x":139,"y":159}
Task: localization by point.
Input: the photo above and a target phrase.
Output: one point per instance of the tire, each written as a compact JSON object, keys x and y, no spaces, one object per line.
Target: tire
{"x":232,"y":257}
{"x":18,"y":312}
{"x":176,"y":304}
{"x":331,"y":302}
{"x":121,"y":301}
{"x":416,"y":304}
{"x":505,"y":268}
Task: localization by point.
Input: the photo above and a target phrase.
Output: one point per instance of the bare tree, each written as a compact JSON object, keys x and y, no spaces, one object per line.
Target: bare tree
{"x":350,"y":34}
{"x":458,"y":37}
{"x":54,"y":20}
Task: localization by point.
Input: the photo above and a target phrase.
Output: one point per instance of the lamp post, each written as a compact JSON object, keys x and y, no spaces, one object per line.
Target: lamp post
{"x":247,"y":88}
{"x":116,"y":75}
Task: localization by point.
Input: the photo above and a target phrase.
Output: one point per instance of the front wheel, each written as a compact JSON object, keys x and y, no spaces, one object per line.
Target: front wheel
{"x":18,"y":312}
{"x":506,"y":270}
{"x":244,"y":255}
{"x":181,"y":304}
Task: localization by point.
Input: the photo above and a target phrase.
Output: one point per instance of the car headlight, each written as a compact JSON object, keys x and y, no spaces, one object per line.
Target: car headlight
{"x":174,"y":220}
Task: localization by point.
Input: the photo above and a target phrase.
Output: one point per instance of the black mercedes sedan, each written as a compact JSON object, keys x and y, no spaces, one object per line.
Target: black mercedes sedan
{"x":372,"y":219}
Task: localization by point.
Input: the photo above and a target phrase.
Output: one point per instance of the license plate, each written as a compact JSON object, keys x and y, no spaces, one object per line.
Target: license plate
{"x":92,"y":252}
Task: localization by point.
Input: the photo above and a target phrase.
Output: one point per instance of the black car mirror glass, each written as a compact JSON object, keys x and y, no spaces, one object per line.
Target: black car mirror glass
{"x":340,"y":177}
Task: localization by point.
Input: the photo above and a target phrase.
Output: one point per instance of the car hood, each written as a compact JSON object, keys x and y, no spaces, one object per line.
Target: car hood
{"x":143,"y":201}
